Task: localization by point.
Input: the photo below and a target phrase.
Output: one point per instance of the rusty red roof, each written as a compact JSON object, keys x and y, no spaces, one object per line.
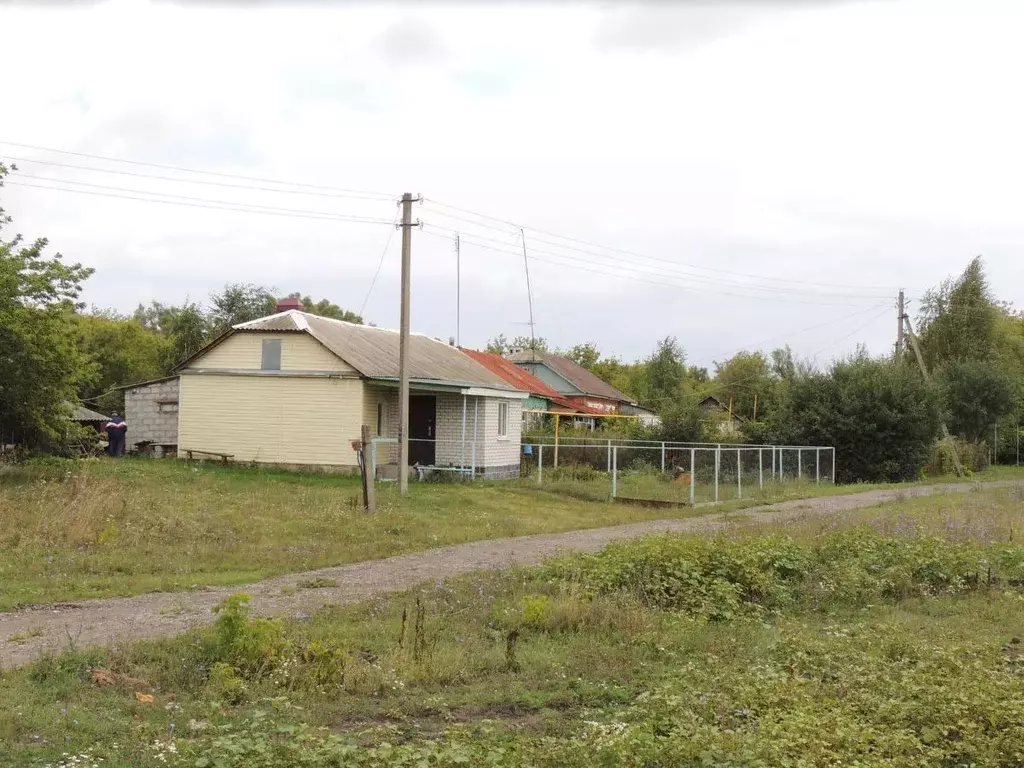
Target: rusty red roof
{"x":525,"y":381}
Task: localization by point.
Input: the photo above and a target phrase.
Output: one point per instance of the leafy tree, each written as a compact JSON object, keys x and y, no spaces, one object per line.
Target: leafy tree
{"x":666,"y":373}
{"x":119,"y":351}
{"x":959,"y":320}
{"x":500,"y":345}
{"x":976,"y":395}
{"x":881,"y":417}
{"x":585,"y":355}
{"x":743,"y":380}
{"x":697,"y":375}
{"x":681,"y":419}
{"x":240,"y":303}
{"x":326,"y":308}
{"x":39,"y":363}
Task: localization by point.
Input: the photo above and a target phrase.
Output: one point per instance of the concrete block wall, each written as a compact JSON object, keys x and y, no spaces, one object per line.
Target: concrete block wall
{"x":150,"y":415}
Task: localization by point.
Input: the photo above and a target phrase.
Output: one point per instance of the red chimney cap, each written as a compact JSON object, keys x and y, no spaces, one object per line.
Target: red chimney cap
{"x":290,"y":303}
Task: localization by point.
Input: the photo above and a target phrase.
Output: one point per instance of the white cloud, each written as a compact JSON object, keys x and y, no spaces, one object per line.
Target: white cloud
{"x":850,"y":143}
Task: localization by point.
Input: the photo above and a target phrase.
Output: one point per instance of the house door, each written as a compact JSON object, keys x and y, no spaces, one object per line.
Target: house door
{"x":422,"y":429}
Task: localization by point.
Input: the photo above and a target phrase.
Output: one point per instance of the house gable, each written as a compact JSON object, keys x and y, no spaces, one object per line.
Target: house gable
{"x":242,"y":352}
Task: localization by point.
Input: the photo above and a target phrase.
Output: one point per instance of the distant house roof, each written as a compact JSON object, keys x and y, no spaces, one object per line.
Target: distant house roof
{"x":585,"y":381}
{"x":711,"y":402}
{"x":373,"y":352}
{"x":522,"y":379}
{"x":81,"y":413}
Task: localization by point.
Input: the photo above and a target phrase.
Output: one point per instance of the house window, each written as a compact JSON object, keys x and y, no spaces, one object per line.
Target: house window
{"x":502,"y":419}
{"x":380,"y":419}
{"x":271,"y":355}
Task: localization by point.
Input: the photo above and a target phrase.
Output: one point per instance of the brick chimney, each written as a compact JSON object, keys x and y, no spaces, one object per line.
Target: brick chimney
{"x":285,"y":304}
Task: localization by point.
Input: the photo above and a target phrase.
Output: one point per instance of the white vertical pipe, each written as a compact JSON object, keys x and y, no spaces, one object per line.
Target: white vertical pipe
{"x":615,"y":470}
{"x":540,"y":464}
{"x":663,"y":458}
{"x":739,"y":473}
{"x":463,"y":433}
{"x":693,"y":475}
{"x":760,"y":468}
{"x":476,"y":437}
{"x":718,"y":463}
{"x":833,"y":465}
{"x":817,"y":466}
{"x":799,"y":464}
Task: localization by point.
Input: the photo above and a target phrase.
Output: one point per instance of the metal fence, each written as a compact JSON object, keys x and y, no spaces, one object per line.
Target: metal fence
{"x":641,"y":470}
{"x":685,"y":473}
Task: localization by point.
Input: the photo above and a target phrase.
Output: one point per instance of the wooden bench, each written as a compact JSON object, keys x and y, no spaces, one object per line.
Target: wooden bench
{"x":224,"y":457}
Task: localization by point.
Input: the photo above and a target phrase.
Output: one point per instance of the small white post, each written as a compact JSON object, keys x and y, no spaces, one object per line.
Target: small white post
{"x":833,"y":465}
{"x":609,"y":456}
{"x":739,"y":473}
{"x":663,"y":458}
{"x":773,"y":463}
{"x":799,"y":464}
{"x":718,"y":463}
{"x":540,"y":464}
{"x":817,"y":465}
{"x":463,"y":433}
{"x":693,"y":475}
{"x":472,"y":458}
{"x":760,"y":468}
{"x":615,"y":471}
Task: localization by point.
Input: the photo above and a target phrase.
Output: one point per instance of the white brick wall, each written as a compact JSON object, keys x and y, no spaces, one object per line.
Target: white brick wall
{"x":144,"y":416}
{"x":493,"y":455}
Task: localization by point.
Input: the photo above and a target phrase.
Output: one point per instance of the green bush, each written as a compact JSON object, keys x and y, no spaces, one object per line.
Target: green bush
{"x":719,"y":580}
{"x":974,"y":457}
{"x":881,"y":416}
{"x":252,"y":646}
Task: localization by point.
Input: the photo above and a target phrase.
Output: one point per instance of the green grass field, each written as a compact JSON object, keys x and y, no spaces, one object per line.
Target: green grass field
{"x":888,"y":638}
{"x":102,"y":528}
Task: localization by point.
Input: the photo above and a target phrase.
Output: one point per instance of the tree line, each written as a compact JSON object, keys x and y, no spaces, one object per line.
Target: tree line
{"x":882,"y":415}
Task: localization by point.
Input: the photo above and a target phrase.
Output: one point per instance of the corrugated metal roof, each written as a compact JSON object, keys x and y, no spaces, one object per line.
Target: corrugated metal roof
{"x":523,"y":380}
{"x":374,"y":351}
{"x":577,"y":375}
{"x":81,"y":413}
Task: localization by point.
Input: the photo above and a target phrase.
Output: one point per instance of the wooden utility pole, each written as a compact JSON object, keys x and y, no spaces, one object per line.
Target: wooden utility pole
{"x":924,"y":372}
{"x":901,"y":314}
{"x":403,"y":346}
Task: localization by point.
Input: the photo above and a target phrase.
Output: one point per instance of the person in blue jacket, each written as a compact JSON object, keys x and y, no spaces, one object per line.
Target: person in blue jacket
{"x":116,"y":431}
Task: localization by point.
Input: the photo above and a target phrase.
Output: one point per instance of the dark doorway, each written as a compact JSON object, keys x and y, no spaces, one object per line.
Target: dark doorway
{"x":422,"y":432}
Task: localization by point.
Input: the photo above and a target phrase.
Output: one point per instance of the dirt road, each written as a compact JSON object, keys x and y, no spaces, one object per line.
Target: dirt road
{"x":25,"y":634}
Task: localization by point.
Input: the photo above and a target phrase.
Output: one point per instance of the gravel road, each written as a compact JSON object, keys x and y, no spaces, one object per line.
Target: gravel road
{"x":24,"y":634}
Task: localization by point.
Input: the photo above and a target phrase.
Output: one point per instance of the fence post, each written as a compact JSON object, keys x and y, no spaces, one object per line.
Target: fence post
{"x":540,"y":464}
{"x":472,"y":458}
{"x":718,"y":463}
{"x":739,"y":473}
{"x":615,"y":470}
{"x":817,"y":466}
{"x":773,"y":464}
{"x":760,"y":468}
{"x":799,"y":464}
{"x":663,"y":458}
{"x":833,"y":465}
{"x":693,"y":475}
{"x":609,"y":456}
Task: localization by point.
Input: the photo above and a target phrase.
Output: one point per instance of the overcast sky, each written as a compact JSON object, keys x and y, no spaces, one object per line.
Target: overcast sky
{"x":767,"y":172}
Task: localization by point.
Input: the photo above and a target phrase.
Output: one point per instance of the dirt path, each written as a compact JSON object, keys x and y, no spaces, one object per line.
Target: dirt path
{"x":25,"y":634}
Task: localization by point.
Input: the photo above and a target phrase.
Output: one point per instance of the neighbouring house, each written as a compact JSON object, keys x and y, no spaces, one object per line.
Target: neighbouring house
{"x":295,"y":389}
{"x":712,"y":410}
{"x":88,"y":417}
{"x":543,"y":399}
{"x":151,"y":412}
{"x":580,"y":386}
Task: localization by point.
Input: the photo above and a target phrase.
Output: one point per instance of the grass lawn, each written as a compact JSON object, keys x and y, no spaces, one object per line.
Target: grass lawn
{"x":104,"y":528}
{"x":867,"y":643}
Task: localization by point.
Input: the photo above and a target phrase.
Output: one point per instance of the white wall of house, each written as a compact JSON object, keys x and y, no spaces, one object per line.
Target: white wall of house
{"x":151,"y":412}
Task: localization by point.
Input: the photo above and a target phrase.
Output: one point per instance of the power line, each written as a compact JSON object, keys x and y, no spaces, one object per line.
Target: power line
{"x":207,"y":182}
{"x":381,"y":195}
{"x":593,"y":244}
{"x":858,"y":329}
{"x":814,"y":327}
{"x":648,"y":269}
{"x":208,"y":204}
{"x":630,"y":276}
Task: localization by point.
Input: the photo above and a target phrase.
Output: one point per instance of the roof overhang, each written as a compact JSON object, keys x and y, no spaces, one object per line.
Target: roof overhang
{"x":461,"y":388}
